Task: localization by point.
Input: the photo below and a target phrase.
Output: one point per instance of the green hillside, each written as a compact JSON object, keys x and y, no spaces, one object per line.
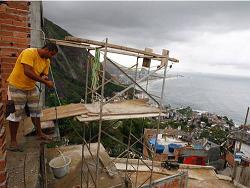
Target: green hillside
{"x":69,"y":68}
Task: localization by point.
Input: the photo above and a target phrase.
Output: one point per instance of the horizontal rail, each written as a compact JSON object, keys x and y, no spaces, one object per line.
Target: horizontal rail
{"x":87,"y":46}
{"x":118,"y":47}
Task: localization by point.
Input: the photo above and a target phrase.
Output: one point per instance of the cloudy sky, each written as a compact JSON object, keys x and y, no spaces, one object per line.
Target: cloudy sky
{"x":211,"y":37}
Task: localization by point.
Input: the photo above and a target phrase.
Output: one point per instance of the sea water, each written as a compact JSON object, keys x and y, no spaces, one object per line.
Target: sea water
{"x":224,"y":95}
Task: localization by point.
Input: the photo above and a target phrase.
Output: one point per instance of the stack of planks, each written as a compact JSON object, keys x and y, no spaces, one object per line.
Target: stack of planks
{"x":91,"y":112}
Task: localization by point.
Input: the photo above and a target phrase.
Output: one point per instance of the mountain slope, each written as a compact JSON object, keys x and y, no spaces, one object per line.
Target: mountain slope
{"x":69,"y":69}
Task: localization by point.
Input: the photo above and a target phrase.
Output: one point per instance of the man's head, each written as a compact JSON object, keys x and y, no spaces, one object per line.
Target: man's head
{"x":48,"y":50}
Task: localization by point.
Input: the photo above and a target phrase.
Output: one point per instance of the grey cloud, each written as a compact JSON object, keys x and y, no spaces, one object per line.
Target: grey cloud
{"x":157,"y":24}
{"x":155,"y":21}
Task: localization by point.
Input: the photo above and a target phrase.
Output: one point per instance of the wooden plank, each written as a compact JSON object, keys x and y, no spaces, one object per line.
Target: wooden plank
{"x":147,"y":61}
{"x":116,"y":117}
{"x":107,"y":162}
{"x":91,"y":112}
{"x":134,"y":167}
{"x":128,"y":107}
{"x":119,"y":47}
{"x":64,"y":111}
{"x":164,"y":61}
{"x":86,"y":46}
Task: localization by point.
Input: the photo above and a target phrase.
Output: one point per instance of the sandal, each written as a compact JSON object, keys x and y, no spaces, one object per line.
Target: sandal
{"x":15,"y":149}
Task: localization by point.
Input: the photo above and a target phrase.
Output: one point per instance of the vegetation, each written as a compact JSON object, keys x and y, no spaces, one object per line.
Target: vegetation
{"x":215,"y":135}
{"x":186,"y":111}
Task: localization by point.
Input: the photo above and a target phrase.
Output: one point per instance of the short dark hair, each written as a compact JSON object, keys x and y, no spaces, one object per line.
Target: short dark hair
{"x":50,"y":46}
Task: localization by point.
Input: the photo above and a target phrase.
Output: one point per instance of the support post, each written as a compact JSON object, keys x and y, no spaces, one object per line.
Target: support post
{"x":87,"y":79}
{"x":147,"y":61}
{"x":101,"y":109}
{"x":164,"y":52}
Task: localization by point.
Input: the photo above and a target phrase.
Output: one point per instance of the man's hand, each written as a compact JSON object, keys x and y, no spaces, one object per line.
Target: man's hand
{"x":28,"y":71}
{"x":49,"y":83}
{"x":45,"y":77}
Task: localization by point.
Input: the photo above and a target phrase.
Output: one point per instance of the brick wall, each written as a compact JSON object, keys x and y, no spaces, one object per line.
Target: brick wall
{"x":3,"y":171}
{"x":14,"y":37}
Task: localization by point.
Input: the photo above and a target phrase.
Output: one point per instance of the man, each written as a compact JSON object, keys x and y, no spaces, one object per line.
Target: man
{"x":31,"y":66}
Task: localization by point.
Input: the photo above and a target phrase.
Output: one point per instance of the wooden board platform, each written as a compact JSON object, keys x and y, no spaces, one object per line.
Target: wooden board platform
{"x":127,"y":109}
{"x":64,"y":111}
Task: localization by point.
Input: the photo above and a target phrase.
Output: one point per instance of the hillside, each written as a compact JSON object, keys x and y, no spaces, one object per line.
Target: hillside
{"x":69,"y":68}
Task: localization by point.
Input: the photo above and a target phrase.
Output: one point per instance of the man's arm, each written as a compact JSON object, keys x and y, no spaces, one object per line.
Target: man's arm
{"x":28,"y":71}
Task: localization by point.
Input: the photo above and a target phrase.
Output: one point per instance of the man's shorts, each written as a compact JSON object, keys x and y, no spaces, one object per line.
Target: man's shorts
{"x":23,"y":99}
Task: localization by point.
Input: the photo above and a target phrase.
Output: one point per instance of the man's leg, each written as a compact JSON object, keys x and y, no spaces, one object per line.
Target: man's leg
{"x":13,"y":126}
{"x":37,"y":124}
{"x":33,"y":102}
{"x":16,"y":101}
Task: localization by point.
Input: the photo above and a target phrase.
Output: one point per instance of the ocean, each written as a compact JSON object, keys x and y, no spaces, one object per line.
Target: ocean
{"x":223,"y":95}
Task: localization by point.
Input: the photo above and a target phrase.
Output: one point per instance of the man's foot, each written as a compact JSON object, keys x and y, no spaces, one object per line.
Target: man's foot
{"x":15,"y":148}
{"x":13,"y":144}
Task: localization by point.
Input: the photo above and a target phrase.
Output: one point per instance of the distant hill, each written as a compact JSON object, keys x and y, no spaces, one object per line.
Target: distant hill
{"x":69,"y":68}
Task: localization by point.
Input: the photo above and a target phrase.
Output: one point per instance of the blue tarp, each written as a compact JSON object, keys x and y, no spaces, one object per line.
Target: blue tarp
{"x":159,"y":147}
{"x":171,"y":147}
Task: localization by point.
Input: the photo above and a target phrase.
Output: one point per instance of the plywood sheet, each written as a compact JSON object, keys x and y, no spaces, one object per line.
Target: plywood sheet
{"x":64,"y":111}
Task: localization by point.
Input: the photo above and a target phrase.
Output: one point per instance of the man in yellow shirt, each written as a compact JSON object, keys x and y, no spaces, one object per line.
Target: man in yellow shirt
{"x":31,"y":66}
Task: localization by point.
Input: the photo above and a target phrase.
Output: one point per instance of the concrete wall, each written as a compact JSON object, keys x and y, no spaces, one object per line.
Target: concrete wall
{"x":244,"y":148}
{"x":176,"y":181}
{"x":37,"y":38}
{"x":3,"y":173}
{"x":242,"y":176}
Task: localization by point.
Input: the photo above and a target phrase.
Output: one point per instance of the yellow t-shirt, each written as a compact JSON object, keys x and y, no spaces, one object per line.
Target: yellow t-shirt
{"x":30,"y":57}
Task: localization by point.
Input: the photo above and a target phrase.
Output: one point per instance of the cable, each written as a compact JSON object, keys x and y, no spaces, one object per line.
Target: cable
{"x":56,"y":97}
{"x":55,"y":88}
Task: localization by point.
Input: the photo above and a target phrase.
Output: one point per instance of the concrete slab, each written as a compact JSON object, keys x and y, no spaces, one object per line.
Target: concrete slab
{"x":73,"y":179}
{"x":25,"y":164}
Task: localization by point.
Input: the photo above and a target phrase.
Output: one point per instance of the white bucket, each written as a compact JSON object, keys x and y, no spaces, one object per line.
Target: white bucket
{"x":60,"y":166}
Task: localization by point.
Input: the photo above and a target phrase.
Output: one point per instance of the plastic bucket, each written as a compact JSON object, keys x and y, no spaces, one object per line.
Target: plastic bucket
{"x":60,"y":167}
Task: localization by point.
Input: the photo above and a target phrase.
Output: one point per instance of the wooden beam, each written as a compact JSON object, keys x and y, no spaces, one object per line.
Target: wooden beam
{"x":86,"y":118}
{"x":115,"y":46}
{"x":147,"y":61}
{"x":71,"y":44}
{"x":87,"y":46}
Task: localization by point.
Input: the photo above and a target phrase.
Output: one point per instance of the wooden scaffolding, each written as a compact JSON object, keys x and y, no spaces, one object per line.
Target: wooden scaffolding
{"x":104,"y":110}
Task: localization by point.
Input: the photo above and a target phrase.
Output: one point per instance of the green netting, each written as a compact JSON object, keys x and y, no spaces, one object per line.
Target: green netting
{"x":95,"y":70}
